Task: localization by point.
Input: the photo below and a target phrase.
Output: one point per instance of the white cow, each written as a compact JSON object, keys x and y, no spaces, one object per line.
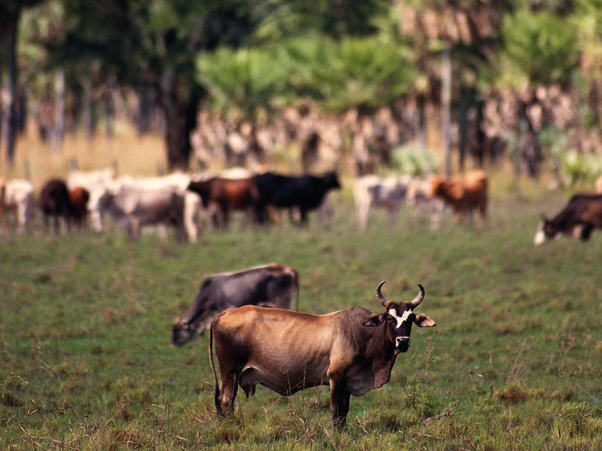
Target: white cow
{"x":134,"y":207}
{"x":373,"y":191}
{"x":418,"y":197}
{"x":90,"y":179}
{"x":16,"y":198}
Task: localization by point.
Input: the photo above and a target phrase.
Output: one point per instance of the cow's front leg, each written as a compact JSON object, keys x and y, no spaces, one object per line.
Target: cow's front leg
{"x":339,"y":402}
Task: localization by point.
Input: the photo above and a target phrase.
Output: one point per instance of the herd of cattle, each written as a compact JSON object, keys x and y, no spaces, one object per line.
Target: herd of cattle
{"x":182,"y":201}
{"x":190,"y":203}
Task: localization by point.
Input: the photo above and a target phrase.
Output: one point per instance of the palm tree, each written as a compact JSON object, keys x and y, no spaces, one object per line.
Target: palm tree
{"x":242,"y":85}
{"x":462,"y":35}
{"x":539,"y":53}
{"x":353,"y":78}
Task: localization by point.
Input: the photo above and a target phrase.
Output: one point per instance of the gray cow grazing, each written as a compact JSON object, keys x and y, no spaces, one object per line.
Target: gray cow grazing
{"x":269,"y":285}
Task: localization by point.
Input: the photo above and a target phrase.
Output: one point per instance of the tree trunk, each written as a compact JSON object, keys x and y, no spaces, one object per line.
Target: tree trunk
{"x":446,"y":75}
{"x":421,"y":126}
{"x":463,"y":129}
{"x":11,"y":107}
{"x":59,"y":121}
{"x":181,"y":118}
{"x":145,"y":106}
{"x":88,"y":109}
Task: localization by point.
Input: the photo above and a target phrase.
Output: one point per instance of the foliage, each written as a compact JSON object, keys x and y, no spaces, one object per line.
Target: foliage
{"x":537,"y":49}
{"x":362,"y":73}
{"x":574,"y":167}
{"x":514,"y":362}
{"x":414,"y":160}
{"x":581,"y":167}
{"x":243,"y":83}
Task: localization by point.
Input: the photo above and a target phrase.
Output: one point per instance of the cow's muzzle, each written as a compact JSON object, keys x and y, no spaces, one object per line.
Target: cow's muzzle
{"x":402,"y":344}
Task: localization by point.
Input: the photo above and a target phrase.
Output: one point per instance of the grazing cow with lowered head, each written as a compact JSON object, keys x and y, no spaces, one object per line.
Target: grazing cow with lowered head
{"x":373,"y":191}
{"x":304,"y":193}
{"x":579,"y":218}
{"x":268,"y":286}
{"x":55,"y":203}
{"x":16,"y":199}
{"x":227,"y":194}
{"x":463,"y":194}
{"x":351,"y":350}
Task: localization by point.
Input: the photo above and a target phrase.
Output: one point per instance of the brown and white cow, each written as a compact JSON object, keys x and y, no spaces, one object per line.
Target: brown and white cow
{"x":269,"y":285}
{"x":227,"y":195}
{"x":463,"y":194}
{"x":351,"y":350}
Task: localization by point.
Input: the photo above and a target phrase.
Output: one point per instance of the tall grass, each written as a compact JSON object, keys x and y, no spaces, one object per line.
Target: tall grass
{"x":131,"y":154}
{"x":515,"y":362}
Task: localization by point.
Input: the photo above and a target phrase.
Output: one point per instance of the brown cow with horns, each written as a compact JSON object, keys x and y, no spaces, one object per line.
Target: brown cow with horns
{"x":351,"y":350}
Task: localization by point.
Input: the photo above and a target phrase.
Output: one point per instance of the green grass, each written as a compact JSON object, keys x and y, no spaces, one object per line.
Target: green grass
{"x":515,"y":362}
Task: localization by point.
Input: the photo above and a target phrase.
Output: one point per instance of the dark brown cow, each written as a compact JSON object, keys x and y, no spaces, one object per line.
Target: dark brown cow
{"x":227,"y":194}
{"x":55,"y":203}
{"x":268,"y":286}
{"x":464,"y":194}
{"x":579,"y":218}
{"x":79,"y":198}
{"x":351,"y":350}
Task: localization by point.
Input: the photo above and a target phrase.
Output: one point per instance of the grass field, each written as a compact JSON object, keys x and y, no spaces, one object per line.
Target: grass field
{"x":515,"y":362}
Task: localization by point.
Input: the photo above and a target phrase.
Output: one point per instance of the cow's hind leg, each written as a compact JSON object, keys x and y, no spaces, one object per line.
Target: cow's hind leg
{"x":225,"y":394}
{"x":586,"y":231}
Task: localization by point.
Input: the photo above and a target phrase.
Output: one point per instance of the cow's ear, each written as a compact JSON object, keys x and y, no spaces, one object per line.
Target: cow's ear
{"x":422,"y":320}
{"x":375,"y":319}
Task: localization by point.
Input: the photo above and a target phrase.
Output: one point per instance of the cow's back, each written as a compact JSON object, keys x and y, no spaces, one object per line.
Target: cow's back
{"x":584,"y":208}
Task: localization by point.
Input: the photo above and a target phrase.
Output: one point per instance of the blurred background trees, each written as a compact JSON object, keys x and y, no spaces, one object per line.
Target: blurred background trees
{"x":242,"y":82}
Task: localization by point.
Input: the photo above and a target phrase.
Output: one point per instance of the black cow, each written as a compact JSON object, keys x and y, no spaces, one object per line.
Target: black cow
{"x":55,"y":203}
{"x":269,"y":286}
{"x":305,"y":193}
{"x":579,"y":218}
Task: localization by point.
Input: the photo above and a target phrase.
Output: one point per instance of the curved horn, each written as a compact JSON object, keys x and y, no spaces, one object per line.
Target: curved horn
{"x":379,"y":295}
{"x":419,"y":297}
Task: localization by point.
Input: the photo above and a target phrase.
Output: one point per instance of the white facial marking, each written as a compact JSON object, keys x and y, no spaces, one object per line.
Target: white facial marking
{"x":400,"y":320}
{"x":540,"y":237}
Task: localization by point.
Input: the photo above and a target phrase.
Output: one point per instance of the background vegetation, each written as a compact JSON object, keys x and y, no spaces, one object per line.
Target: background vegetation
{"x":335,"y":83}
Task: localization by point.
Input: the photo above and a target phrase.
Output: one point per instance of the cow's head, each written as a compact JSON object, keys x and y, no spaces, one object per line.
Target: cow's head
{"x":546,"y":231}
{"x":332,"y":180}
{"x":399,"y":317}
{"x":182,"y":333}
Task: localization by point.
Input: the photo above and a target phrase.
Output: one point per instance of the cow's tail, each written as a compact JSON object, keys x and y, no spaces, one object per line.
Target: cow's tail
{"x":217,"y":403}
